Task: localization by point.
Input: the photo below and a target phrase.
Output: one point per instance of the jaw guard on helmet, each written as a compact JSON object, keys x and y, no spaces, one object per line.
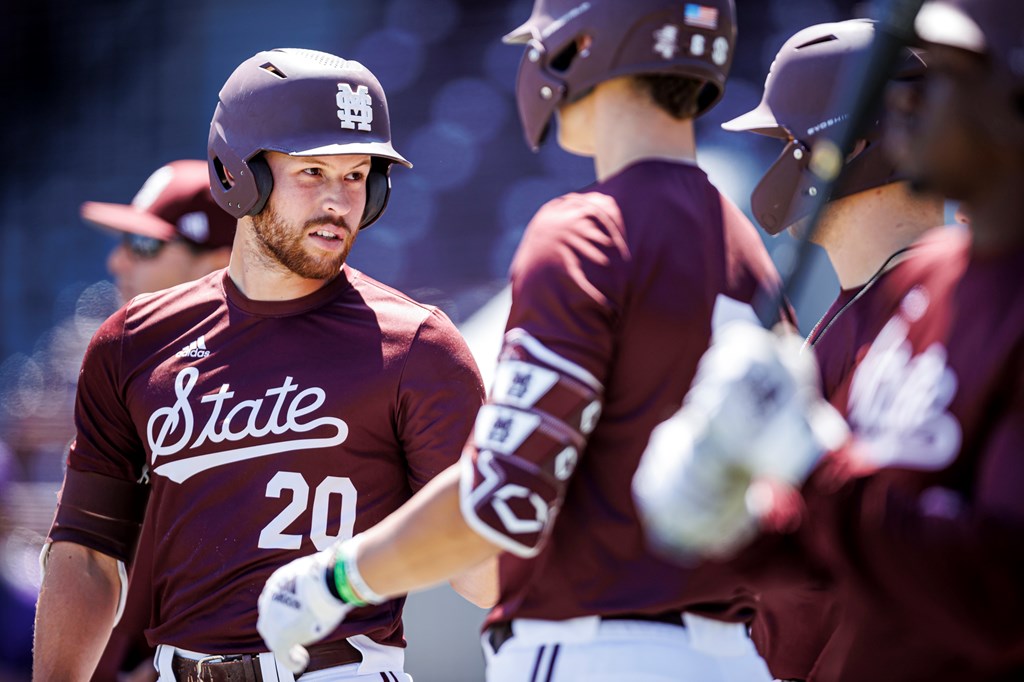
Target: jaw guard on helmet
{"x":798,"y":106}
{"x":302,"y":103}
{"x":627,"y":37}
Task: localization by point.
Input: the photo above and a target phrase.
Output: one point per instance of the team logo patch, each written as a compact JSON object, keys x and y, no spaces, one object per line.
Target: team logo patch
{"x":355,"y":107}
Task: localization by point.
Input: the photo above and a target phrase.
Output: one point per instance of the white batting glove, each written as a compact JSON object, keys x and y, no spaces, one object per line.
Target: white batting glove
{"x":754,"y":412}
{"x":760,"y":398}
{"x":691,"y":499}
{"x":297,"y":608}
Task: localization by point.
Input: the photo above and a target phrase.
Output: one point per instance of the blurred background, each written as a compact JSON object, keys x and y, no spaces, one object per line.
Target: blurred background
{"x":101,"y":93}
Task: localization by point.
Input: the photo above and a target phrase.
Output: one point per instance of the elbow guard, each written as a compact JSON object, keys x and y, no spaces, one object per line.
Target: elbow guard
{"x":526,"y":443}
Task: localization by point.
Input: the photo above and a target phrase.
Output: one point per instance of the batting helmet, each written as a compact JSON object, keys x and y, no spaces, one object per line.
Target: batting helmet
{"x":626,"y":38}
{"x":981,"y":26}
{"x":302,"y":103}
{"x":799,"y":104}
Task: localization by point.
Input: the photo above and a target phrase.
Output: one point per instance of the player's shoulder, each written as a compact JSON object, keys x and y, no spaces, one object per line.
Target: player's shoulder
{"x":586,"y":206}
{"x":173,"y":300}
{"x":396,"y":307}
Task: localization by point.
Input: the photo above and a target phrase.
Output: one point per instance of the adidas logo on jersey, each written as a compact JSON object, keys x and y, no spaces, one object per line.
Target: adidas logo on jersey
{"x":196,"y":349}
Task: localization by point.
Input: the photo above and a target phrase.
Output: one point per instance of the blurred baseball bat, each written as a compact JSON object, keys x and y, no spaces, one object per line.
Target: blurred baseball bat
{"x":894,"y":30}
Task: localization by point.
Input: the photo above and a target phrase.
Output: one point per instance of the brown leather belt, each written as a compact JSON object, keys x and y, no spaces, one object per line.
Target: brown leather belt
{"x":246,"y":667}
{"x":499,"y":633}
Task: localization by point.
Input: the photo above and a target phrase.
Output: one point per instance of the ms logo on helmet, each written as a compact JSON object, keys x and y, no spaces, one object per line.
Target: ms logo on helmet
{"x":354,"y":108}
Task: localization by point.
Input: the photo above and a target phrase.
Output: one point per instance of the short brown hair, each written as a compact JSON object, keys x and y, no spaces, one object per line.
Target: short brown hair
{"x":678,"y":96}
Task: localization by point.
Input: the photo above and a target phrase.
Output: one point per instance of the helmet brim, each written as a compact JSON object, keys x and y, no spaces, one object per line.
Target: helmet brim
{"x":942,"y":24}
{"x":520,"y":35}
{"x":759,"y":120}
{"x":381,"y":149}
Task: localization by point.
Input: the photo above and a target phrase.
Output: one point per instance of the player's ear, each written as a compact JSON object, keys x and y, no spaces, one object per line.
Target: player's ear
{"x":860,"y":146}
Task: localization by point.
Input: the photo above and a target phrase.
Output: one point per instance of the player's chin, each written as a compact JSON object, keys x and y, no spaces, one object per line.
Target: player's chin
{"x":318,"y":266}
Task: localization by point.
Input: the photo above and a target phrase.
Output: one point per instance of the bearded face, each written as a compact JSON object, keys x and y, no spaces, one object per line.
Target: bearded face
{"x":288,"y":243}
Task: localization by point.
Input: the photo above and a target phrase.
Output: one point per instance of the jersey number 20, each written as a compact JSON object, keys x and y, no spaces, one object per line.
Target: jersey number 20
{"x":273,"y":535}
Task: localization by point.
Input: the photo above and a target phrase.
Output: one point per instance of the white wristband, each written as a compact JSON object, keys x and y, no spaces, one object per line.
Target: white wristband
{"x":347,"y":554}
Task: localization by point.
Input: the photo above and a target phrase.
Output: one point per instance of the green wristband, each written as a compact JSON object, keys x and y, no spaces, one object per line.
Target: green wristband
{"x":341,"y":583}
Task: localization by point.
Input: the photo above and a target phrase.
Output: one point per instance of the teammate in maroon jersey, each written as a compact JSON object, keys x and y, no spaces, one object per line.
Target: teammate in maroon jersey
{"x":264,"y":411}
{"x":918,"y":516}
{"x":868,"y":227}
{"x":615,"y":291}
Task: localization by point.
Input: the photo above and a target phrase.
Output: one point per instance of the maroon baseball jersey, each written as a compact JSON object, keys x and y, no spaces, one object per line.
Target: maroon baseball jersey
{"x":613,"y":293}
{"x":793,"y":624}
{"x":266,"y":431}
{"x":921,"y":517}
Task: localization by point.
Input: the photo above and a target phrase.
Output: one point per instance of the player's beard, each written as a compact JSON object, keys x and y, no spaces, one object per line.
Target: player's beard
{"x":283,"y":243}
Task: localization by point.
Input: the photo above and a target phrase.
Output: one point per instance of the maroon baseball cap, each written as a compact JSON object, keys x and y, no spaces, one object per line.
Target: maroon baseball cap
{"x":174,"y":203}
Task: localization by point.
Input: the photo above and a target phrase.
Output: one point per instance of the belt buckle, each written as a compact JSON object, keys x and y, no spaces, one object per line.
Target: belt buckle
{"x":213,"y":660}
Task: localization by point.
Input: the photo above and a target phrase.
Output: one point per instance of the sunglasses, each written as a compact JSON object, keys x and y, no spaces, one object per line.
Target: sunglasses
{"x":141,"y":247}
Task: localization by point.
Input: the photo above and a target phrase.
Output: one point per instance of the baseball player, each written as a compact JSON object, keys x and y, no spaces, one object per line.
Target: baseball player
{"x":261,"y":412}
{"x":917,"y":515}
{"x":172,"y":232}
{"x":615,"y":291}
{"x":869,"y":227}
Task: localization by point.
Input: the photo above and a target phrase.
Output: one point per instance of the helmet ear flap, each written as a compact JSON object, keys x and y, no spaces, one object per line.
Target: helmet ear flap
{"x":378,"y":190}
{"x":264,"y":180}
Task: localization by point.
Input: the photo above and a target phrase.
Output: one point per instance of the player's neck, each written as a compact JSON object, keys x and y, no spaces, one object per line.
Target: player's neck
{"x":630,"y":128}
{"x":869,"y":228}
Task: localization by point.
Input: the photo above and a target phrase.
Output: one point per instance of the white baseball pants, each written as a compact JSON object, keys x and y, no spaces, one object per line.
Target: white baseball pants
{"x":598,"y":650}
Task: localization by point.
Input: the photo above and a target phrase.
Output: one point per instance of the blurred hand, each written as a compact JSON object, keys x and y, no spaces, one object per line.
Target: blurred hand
{"x":754,"y":412}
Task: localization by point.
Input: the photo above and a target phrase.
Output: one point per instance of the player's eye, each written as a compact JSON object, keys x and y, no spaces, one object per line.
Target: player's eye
{"x":312,"y":171}
{"x":356,"y":176}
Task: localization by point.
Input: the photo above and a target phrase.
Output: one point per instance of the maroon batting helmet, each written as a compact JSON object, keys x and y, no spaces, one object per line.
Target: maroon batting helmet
{"x":800,"y":103}
{"x":694,"y":39}
{"x":302,"y":103}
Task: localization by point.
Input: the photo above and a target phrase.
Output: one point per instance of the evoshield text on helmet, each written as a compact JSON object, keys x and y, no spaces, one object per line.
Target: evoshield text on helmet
{"x":303,"y":103}
{"x":625,"y":37}
{"x":799,"y":104}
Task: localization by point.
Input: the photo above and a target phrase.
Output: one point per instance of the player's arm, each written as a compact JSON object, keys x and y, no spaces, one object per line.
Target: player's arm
{"x":96,"y":525}
{"x":424,"y":543}
{"x":76,"y":611}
